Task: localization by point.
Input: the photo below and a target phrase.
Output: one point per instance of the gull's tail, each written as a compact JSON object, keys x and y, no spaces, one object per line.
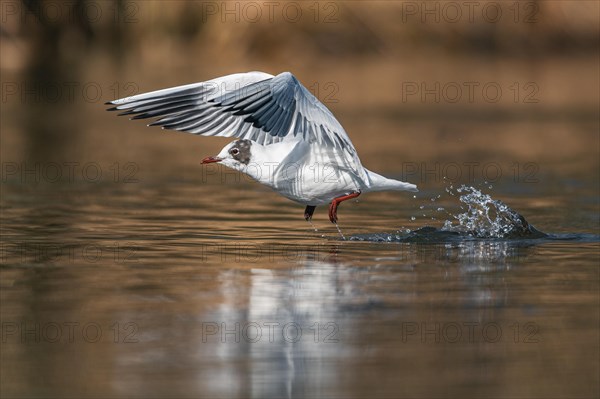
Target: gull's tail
{"x":379,"y":183}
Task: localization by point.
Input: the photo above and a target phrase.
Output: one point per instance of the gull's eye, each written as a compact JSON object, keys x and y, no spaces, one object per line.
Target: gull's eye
{"x":234,"y":151}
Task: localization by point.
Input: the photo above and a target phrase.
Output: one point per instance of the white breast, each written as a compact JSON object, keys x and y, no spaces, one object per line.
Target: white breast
{"x":306,"y":173}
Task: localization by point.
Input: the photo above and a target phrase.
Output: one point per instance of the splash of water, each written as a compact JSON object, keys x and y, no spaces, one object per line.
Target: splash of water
{"x":485,"y":217}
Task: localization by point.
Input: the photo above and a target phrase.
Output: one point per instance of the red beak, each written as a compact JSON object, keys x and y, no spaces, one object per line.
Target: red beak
{"x":211,"y":160}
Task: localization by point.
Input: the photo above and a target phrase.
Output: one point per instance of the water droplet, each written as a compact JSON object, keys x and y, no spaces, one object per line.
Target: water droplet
{"x":413,"y":218}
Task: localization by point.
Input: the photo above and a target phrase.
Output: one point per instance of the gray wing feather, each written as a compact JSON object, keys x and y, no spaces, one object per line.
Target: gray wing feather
{"x":265,"y":109}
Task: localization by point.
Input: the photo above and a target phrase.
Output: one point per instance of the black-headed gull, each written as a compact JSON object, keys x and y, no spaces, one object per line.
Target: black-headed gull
{"x":287,"y":139}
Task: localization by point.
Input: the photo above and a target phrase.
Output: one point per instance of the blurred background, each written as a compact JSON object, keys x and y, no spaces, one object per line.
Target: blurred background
{"x":436,"y":93}
{"x":513,"y":83}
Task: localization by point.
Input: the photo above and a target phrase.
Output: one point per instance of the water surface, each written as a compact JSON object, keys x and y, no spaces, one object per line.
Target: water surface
{"x":183,"y":289}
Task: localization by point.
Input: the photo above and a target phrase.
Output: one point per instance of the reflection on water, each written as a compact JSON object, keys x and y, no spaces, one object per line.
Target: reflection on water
{"x":148,"y":291}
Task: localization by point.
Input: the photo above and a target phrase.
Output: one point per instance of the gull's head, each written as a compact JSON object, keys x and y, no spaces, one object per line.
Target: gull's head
{"x":235,"y":155}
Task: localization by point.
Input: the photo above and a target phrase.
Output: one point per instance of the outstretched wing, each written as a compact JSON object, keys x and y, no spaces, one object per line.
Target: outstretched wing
{"x":255,"y":106}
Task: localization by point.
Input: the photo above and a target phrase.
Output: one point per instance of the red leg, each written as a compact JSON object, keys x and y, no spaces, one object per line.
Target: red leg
{"x":336,"y":201}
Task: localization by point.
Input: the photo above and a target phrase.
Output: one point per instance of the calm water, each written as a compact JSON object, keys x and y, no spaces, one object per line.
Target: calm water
{"x":182,"y":289}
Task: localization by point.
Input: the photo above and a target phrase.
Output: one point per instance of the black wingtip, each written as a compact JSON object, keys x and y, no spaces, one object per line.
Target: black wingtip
{"x":109,"y":103}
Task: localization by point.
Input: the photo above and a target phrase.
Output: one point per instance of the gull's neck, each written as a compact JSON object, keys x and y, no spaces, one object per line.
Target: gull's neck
{"x":266,"y":159}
